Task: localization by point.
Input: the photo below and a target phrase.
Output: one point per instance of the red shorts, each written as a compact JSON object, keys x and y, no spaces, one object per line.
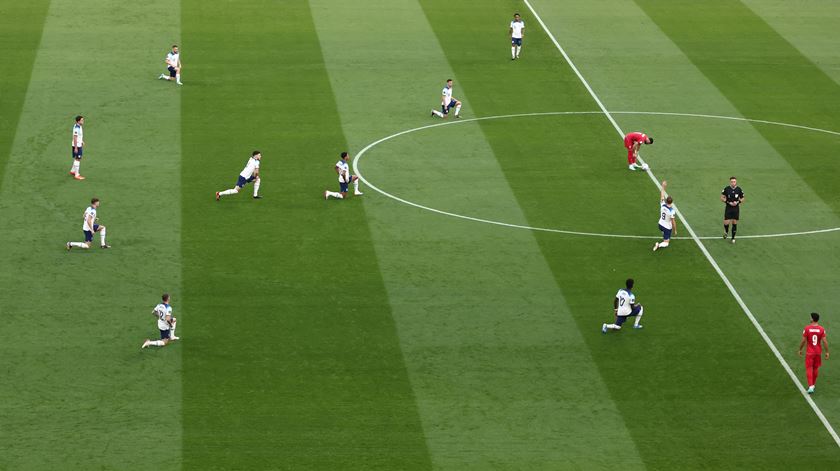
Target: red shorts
{"x":813,"y":360}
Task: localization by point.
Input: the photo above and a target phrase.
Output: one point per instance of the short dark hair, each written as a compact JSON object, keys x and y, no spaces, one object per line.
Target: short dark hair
{"x":448,"y":80}
{"x":669,"y":200}
{"x":650,"y":139}
{"x":174,"y":45}
{"x":94,"y":200}
{"x":815,"y":316}
{"x":164,"y":297}
{"x":732,"y":178}
{"x":344,"y":154}
{"x":516,"y":13}
{"x":79,"y":118}
{"x":629,"y":283}
{"x":255,"y":153}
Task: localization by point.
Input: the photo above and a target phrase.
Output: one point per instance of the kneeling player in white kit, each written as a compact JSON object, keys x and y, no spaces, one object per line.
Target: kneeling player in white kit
{"x":342,"y":168}
{"x":165,"y":322}
{"x":625,"y":306}
{"x":447,"y":102}
{"x":251,"y":173}
{"x":89,"y":227}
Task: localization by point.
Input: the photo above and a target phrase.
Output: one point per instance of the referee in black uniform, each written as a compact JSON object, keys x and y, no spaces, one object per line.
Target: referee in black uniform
{"x":733,"y":196}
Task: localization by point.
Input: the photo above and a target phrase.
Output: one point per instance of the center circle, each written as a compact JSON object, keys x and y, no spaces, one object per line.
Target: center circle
{"x":373,"y":187}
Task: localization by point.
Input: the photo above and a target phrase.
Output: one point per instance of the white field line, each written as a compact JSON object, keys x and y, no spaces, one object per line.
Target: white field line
{"x":367,"y":148}
{"x":697,"y":240}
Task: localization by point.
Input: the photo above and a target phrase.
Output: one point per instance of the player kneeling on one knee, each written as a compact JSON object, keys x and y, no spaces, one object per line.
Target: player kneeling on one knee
{"x":625,"y":306}
{"x":166,"y":324}
{"x":251,"y":173}
{"x":89,"y":227}
{"x":342,"y":168}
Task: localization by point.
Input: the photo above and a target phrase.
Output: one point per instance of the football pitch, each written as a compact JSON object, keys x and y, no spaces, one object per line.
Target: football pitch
{"x":450,"y":317}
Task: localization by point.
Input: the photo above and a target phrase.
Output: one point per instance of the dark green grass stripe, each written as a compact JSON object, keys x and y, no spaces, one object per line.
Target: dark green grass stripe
{"x":292,"y":359}
{"x":764,"y":77}
{"x":21,"y":25}
{"x":699,"y":388}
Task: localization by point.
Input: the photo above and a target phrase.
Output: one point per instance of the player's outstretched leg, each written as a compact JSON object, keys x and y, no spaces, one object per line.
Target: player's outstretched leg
{"x":232,"y":191}
{"x":154,"y":343}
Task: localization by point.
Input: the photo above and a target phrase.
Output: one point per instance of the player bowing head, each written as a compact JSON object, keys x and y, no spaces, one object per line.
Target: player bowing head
{"x":632,"y":142}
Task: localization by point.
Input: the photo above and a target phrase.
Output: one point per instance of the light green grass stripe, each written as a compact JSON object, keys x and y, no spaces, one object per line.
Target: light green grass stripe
{"x":492,"y":358}
{"x":810,"y":26}
{"x":698,"y":156}
{"x":77,"y":392}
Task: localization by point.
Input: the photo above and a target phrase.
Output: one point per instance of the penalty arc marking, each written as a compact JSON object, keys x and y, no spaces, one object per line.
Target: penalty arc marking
{"x":373,"y":187}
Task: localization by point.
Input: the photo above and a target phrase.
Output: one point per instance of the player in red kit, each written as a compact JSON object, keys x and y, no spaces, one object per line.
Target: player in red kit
{"x":814,"y":337}
{"x":632,"y":141}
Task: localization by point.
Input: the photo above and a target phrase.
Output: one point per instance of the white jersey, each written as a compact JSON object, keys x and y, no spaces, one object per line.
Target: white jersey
{"x":343,"y":171}
{"x":626,"y":299}
{"x":78,"y":135}
{"x":251,"y":167}
{"x":90,"y":213}
{"x":447,"y":95}
{"x":666,"y":216}
{"x":516,"y":28}
{"x":172,"y":59}
{"x":161,"y":311}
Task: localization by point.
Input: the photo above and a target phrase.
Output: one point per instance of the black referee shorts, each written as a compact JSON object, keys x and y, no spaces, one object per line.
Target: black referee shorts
{"x":732,"y":212}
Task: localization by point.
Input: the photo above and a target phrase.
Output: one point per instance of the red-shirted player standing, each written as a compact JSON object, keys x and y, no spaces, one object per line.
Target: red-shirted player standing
{"x":632,"y":141}
{"x":814,"y":336}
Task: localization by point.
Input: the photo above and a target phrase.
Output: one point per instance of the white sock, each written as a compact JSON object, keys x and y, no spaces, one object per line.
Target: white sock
{"x":613,"y":327}
{"x":513,"y":52}
{"x":232,"y":191}
{"x":178,"y":78}
{"x":79,"y":244}
{"x":102,"y":236}
{"x":437,"y":113}
{"x":157,"y":343}
{"x":457,"y":110}
{"x":664,"y":243}
{"x":335,"y":194}
{"x":356,"y":185}
{"x":75,"y":167}
{"x":172,"y":329}
{"x":518,"y":48}
{"x":639,"y":316}
{"x":256,"y":187}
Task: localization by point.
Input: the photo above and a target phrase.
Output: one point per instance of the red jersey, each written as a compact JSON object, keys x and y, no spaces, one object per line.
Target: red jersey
{"x":813,"y":335}
{"x":634,"y":137}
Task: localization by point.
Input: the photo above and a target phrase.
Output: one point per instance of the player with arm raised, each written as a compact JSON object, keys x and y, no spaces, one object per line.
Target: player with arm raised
{"x":342,"y":168}
{"x":632,"y":142}
{"x":447,"y":102}
{"x":625,"y":306}
{"x":89,"y":227}
{"x":165,"y":323}
{"x":814,"y":337}
{"x":173,"y":65}
{"x":517,"y":32}
{"x":251,"y":173}
{"x":667,"y":218}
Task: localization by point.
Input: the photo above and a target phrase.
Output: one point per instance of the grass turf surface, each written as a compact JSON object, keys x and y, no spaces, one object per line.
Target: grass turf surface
{"x":368,"y":334}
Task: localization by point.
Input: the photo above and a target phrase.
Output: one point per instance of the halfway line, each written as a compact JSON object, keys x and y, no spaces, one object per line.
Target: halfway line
{"x":697,"y":240}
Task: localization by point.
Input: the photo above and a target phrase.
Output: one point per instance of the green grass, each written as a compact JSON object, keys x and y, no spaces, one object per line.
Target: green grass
{"x":369,"y":334}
